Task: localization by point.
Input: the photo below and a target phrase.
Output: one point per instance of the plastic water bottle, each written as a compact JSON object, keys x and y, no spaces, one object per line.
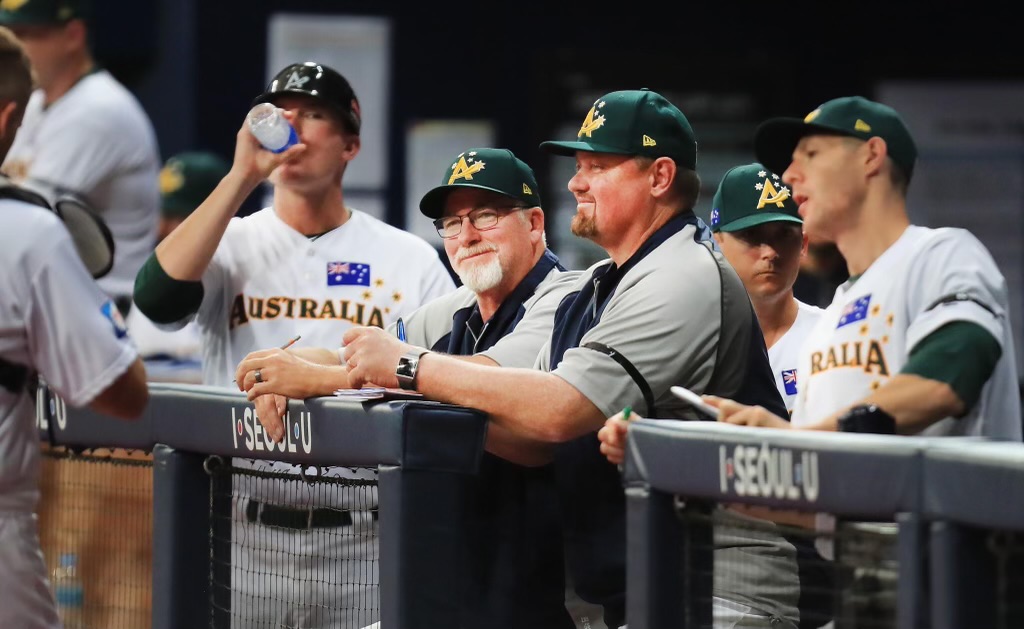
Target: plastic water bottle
{"x":272,"y":129}
{"x":69,"y":592}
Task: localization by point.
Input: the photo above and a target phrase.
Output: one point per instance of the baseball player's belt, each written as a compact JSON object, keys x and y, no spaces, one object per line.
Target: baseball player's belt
{"x":296,"y":518}
{"x":16,"y":378}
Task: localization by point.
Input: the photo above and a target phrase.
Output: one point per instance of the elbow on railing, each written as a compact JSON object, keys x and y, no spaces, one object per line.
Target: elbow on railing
{"x":127,"y":397}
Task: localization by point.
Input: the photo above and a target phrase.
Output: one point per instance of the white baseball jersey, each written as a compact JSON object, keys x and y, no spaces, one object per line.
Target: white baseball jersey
{"x":926,"y":279}
{"x":54,"y":320}
{"x":268,"y":283}
{"x":96,"y":142}
{"x":784,"y":355}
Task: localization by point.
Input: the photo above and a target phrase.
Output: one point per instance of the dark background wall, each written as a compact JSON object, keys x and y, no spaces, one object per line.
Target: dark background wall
{"x":197,"y":65}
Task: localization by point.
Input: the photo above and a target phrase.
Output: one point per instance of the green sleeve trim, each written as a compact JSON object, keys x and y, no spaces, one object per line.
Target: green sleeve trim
{"x":961,"y":354}
{"x":161,"y":297}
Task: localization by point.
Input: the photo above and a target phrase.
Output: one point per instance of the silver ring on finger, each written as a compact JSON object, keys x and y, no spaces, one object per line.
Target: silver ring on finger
{"x":259,"y":376}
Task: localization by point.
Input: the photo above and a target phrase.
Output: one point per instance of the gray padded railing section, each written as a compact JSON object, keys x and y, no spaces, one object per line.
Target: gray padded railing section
{"x":424,"y":451}
{"x":974,"y":497}
{"x":981,"y":485}
{"x":320,"y":431}
{"x":701,"y":463}
{"x":852,"y":474}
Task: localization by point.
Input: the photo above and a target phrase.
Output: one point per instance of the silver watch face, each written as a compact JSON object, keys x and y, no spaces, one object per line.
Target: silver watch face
{"x":406,"y":370}
{"x":407,"y":367}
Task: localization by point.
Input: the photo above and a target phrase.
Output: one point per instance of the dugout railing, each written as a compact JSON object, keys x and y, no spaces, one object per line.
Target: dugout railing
{"x":974,"y":499}
{"x":422,"y":452}
{"x":677,"y":473}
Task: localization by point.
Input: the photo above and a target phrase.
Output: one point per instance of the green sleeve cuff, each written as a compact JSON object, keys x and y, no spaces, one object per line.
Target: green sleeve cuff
{"x":161,"y":297}
{"x":961,"y":354}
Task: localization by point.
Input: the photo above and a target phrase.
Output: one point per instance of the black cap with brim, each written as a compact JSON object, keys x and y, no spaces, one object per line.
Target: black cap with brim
{"x":312,"y":79}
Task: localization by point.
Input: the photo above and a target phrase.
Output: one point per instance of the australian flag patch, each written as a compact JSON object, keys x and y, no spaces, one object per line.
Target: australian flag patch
{"x":854,"y":311}
{"x":348,"y":274}
{"x":789,"y":381}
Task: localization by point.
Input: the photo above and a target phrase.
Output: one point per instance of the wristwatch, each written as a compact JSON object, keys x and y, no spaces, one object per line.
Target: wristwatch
{"x":408,"y":365}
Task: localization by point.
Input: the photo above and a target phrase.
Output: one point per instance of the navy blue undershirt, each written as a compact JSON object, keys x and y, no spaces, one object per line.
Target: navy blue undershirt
{"x":514,"y":558}
{"x":471,"y":334}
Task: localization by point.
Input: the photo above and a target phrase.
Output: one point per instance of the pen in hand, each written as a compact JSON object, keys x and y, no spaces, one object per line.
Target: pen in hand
{"x":400,"y":329}
{"x":285,"y":346}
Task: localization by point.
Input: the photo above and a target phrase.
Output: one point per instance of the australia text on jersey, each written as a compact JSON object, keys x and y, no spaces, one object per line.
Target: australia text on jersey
{"x":245,"y":308}
{"x":861,"y":318}
{"x":868,"y":355}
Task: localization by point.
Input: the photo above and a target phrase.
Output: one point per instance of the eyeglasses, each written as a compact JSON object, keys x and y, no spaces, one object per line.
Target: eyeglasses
{"x":482,"y":219}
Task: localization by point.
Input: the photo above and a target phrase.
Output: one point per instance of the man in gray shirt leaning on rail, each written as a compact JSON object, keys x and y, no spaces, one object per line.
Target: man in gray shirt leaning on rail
{"x":666,"y":309}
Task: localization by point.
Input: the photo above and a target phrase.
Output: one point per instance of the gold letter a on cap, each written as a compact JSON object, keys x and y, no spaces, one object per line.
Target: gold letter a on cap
{"x":590,"y":123}
{"x":462,"y":170}
{"x":769,"y":195}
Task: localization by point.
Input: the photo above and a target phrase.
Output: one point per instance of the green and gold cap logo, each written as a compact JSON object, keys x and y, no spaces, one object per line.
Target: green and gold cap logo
{"x":187,"y":179}
{"x":750,"y":195}
{"x":633,"y":122}
{"x":497,"y":170}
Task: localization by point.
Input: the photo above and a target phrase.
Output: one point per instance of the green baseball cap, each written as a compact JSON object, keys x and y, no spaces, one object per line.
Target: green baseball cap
{"x":187,"y":179}
{"x":32,"y":12}
{"x":497,"y":170}
{"x":853,"y":116}
{"x":633,"y":122}
{"x":750,"y":195}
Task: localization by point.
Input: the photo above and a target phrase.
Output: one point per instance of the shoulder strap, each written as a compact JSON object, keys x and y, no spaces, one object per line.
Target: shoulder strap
{"x":634,"y":373}
{"x":10,"y":190}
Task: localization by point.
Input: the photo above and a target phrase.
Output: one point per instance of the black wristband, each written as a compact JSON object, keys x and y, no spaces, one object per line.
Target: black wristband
{"x":867,"y":418}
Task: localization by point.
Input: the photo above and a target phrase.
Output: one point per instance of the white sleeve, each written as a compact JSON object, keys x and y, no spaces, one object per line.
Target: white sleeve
{"x":76,"y":336}
{"x":215,"y":277}
{"x":954,"y":278}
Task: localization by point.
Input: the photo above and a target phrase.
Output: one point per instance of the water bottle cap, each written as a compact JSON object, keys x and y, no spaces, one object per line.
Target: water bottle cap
{"x":68,"y":560}
{"x":262,"y":111}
